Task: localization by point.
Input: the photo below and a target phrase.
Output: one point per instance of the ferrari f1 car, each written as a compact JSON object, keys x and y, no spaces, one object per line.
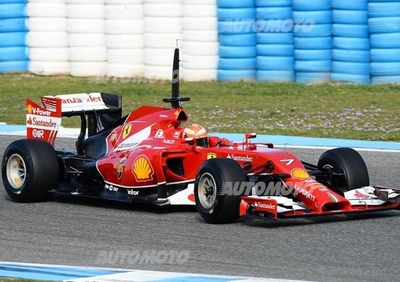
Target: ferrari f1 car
{"x":145,"y":157}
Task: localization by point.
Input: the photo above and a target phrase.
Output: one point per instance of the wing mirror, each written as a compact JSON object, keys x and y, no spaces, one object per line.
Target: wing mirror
{"x":250,"y":135}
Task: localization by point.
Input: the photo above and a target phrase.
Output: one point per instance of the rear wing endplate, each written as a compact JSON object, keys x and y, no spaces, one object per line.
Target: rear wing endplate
{"x":100,"y":109}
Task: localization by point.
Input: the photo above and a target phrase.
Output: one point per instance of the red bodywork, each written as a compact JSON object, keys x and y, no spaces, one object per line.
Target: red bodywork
{"x":142,"y":152}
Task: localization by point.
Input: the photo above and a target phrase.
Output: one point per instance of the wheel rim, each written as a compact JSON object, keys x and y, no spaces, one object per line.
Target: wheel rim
{"x":330,"y":168}
{"x":16,"y":171}
{"x":207,"y":191}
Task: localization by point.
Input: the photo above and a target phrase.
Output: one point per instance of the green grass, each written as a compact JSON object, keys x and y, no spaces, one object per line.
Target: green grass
{"x":325,"y":110}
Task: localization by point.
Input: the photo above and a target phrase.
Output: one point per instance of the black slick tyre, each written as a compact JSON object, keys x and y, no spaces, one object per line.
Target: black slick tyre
{"x":350,"y":162}
{"x":30,"y":170}
{"x":213,"y":206}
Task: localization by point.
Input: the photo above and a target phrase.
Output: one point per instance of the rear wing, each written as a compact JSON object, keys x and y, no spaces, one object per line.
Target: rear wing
{"x":75,"y":104}
{"x":96,"y":110}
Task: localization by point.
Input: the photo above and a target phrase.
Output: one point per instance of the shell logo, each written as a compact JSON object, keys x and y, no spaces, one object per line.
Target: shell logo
{"x":29,"y":109}
{"x":127,"y":129}
{"x":300,"y":173}
{"x":142,"y":169}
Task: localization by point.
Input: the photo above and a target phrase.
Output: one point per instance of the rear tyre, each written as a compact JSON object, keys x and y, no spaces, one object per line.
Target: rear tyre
{"x":352,"y":164}
{"x":30,"y":170}
{"x":215,"y":208}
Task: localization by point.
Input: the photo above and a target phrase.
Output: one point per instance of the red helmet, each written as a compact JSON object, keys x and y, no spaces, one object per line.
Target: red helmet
{"x":198,"y":132}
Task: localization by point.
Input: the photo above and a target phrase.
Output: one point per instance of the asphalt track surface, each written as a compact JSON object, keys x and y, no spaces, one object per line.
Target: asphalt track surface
{"x":77,"y":231}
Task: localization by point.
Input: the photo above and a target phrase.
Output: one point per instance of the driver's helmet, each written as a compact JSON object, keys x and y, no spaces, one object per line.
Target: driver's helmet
{"x":198,"y":132}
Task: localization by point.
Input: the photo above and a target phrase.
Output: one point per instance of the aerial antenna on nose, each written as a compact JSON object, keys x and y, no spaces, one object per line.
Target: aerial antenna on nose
{"x":175,"y":100}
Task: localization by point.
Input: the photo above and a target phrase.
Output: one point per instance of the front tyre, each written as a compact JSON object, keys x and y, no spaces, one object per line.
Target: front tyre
{"x":30,"y":170}
{"x":350,"y":162}
{"x":213,"y":206}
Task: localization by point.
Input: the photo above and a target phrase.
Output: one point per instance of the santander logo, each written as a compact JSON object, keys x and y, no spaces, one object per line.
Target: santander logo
{"x":78,"y":100}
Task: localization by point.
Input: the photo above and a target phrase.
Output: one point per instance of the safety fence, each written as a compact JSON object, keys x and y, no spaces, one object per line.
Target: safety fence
{"x":305,"y":41}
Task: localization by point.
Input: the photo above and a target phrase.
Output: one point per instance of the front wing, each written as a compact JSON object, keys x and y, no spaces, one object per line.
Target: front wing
{"x":364,"y":199}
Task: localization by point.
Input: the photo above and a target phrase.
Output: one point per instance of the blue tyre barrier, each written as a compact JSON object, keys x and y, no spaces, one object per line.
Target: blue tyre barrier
{"x":236,"y":26}
{"x":361,"y":56}
{"x":319,"y":17}
{"x":395,"y":79}
{"x":12,"y":39}
{"x":350,"y":43}
{"x":248,"y":39}
{"x":274,"y":38}
{"x":315,"y":43}
{"x":275,"y":50}
{"x":14,"y":53}
{"x":385,"y":55}
{"x":313,"y":66}
{"x":350,"y":5}
{"x":14,"y":66}
{"x":386,"y":69}
{"x":237,"y":63}
{"x":317,"y":30}
{"x":384,"y":9}
{"x":384,"y":25}
{"x":13,"y":10}
{"x":274,"y":13}
{"x":350,"y":16}
{"x":235,"y":3}
{"x":13,"y":25}
{"x":351,"y":78}
{"x":350,"y":30}
{"x":236,"y":75}
{"x":275,"y":76}
{"x":13,"y":1}
{"x":312,"y":77}
{"x":350,"y":67}
{"x":275,"y":63}
{"x":235,"y":14}
{"x":313,"y":55}
{"x":275,"y":3}
{"x":237,"y":52}
{"x":385,"y":40}
{"x":311,"y":5}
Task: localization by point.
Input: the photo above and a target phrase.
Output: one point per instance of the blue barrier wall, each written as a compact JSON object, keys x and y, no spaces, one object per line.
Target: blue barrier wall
{"x":308,"y":41}
{"x":305,"y":41}
{"x":13,"y":31}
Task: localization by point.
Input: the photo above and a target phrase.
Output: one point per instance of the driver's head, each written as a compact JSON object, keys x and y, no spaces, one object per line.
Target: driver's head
{"x":198,"y":132}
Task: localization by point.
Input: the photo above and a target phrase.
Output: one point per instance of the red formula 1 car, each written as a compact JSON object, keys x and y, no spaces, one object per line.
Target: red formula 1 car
{"x":145,"y":157}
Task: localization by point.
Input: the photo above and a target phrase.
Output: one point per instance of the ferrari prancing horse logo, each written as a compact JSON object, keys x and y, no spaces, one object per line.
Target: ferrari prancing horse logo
{"x":211,"y":156}
{"x":127,"y":129}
